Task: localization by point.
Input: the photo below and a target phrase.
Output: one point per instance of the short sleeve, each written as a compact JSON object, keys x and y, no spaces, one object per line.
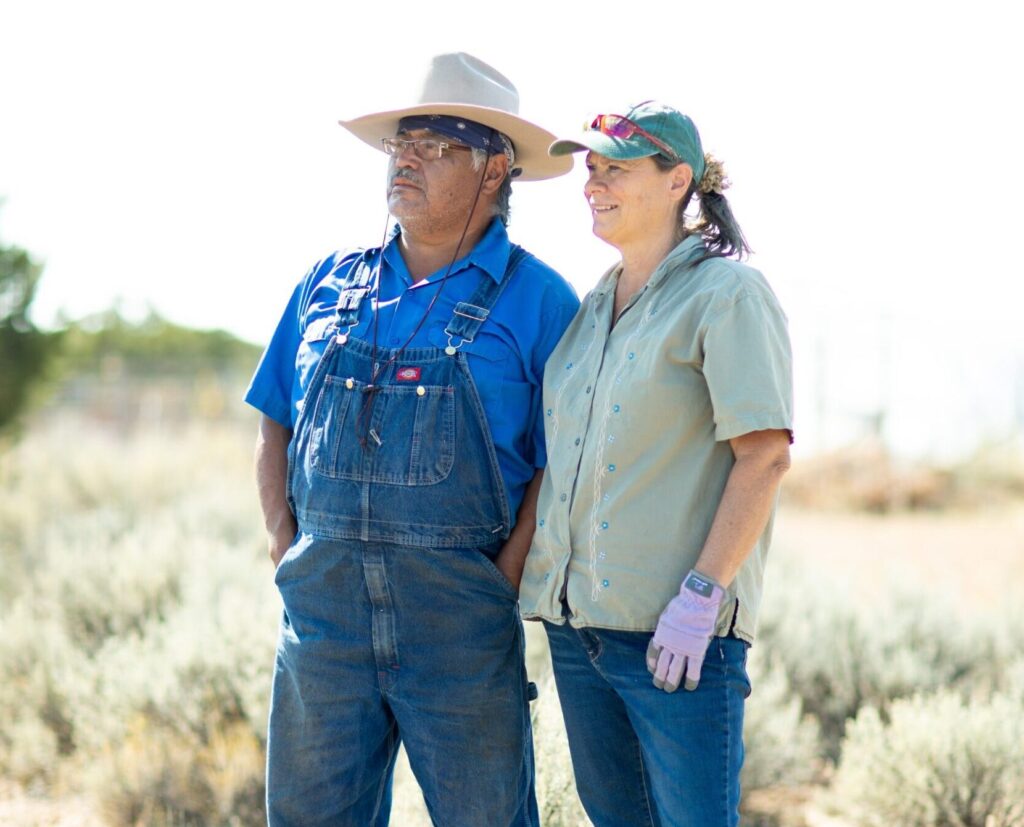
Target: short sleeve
{"x":270,"y":390}
{"x":748,"y":367}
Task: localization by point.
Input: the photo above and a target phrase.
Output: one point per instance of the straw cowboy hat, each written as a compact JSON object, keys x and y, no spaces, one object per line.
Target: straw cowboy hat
{"x":463,"y":86}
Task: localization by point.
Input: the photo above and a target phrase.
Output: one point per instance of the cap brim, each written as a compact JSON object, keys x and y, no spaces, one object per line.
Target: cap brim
{"x":530,"y":141}
{"x":621,"y":149}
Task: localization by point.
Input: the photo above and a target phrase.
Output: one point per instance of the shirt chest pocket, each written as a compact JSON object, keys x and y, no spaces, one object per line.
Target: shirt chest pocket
{"x":489,"y":357}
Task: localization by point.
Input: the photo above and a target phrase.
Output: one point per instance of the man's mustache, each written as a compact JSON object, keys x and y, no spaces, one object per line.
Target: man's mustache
{"x":407,"y":176}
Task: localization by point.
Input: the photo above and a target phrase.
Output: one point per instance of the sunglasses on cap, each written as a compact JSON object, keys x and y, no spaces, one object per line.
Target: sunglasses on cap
{"x":619,"y":126}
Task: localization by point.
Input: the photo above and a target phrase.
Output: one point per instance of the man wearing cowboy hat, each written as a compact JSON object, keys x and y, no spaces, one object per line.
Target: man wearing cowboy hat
{"x":398,"y":464}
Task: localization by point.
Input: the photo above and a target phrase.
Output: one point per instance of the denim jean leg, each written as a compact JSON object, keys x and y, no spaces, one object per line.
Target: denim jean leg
{"x":460,"y":690}
{"x":696,"y":736}
{"x":691,"y":742}
{"x":606,"y":754}
{"x":332,"y":740}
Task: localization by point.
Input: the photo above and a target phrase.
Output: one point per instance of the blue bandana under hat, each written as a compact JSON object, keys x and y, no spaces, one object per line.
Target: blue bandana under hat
{"x":462,"y":130}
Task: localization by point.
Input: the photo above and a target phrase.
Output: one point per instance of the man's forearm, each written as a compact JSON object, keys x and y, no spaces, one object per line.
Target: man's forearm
{"x":271,"y":474}
{"x":512,"y":557}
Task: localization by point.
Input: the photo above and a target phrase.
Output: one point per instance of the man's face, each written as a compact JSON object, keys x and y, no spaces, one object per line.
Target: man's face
{"x":431,"y":196}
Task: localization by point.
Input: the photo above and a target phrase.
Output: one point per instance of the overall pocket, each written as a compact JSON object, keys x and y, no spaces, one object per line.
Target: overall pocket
{"x":404,"y":436}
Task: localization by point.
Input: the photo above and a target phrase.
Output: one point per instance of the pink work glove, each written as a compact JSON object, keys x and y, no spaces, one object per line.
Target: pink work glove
{"x":684,"y":630}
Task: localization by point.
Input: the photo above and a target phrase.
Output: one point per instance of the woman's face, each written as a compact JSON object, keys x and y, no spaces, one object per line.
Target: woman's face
{"x":632,"y":202}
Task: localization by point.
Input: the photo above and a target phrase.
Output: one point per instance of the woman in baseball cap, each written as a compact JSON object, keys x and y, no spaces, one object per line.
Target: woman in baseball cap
{"x":668,"y":417}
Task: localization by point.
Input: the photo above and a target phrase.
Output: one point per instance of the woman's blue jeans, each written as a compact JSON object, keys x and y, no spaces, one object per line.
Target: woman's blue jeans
{"x":642,"y":756}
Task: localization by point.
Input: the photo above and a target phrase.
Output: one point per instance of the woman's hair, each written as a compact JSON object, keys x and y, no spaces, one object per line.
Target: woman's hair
{"x":723,"y":237}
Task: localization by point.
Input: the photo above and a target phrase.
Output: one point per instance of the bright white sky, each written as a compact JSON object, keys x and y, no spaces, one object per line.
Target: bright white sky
{"x":185,"y":156}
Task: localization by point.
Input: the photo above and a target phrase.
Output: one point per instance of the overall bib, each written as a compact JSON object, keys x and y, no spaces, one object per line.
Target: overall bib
{"x":396,"y":625}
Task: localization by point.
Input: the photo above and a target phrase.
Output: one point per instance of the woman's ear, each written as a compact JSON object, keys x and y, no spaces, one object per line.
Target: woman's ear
{"x":681,"y":177}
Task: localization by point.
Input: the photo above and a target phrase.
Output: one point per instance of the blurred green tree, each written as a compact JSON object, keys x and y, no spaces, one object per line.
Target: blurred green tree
{"x":24,"y":349}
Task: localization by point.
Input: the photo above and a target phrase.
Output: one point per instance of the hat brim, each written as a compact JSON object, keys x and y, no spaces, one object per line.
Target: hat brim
{"x":621,"y":149}
{"x":530,"y":141}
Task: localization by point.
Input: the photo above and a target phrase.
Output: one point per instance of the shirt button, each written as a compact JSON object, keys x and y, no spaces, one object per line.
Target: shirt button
{"x":541,"y":521}
{"x":604,"y":526}
{"x":549,"y":411}
{"x":611,"y":467}
{"x":630,"y":355}
{"x":615,"y":408}
{"x":576,"y":441}
{"x":564,"y":497}
{"x":588,"y":388}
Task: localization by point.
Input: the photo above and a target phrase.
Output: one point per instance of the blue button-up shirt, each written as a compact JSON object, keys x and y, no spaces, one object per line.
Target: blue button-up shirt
{"x":506,"y":357}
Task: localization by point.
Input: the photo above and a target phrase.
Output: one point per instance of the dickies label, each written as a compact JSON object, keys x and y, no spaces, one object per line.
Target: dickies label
{"x":408,"y":374}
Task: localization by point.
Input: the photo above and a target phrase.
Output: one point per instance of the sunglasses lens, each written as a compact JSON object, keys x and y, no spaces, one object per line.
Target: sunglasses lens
{"x":613,"y":125}
{"x":618,"y":127}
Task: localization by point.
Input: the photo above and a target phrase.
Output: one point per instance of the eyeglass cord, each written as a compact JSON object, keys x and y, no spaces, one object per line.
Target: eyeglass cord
{"x":370,"y":390}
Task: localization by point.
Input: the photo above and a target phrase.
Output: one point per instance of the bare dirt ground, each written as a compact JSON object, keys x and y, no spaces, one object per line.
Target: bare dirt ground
{"x":975,"y":555}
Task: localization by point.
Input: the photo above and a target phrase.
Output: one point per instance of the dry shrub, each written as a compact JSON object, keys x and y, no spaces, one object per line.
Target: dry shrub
{"x":867,"y":476}
{"x":840,"y":654}
{"x":159,"y":777}
{"x":782,"y":743}
{"x":557,"y":799}
{"x":935,"y":760}
{"x":139,"y":616}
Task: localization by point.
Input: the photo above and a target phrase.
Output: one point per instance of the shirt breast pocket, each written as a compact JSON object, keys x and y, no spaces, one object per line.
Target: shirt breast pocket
{"x":488,"y":356}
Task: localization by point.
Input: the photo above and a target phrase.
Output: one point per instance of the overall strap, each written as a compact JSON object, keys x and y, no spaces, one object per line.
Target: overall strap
{"x":355,"y":285}
{"x":468,"y":316}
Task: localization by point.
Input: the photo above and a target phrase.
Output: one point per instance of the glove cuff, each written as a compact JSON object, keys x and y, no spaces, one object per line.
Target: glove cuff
{"x":702,"y":585}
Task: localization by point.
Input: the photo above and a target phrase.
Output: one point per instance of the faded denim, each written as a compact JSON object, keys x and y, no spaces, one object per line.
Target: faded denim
{"x":642,"y":756}
{"x":365,"y":660}
{"x":397,"y":627}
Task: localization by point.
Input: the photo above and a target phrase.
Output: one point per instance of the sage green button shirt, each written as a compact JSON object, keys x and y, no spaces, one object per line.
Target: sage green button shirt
{"x":637,"y":422}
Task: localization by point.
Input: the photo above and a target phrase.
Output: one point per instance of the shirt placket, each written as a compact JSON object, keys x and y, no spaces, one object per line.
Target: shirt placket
{"x":608,"y":403}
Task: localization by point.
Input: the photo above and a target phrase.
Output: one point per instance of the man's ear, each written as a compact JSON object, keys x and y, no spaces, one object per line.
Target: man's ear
{"x":495,"y":172}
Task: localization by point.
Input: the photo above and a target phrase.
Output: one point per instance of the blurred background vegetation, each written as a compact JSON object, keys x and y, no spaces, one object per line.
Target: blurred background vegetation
{"x":140,"y":616}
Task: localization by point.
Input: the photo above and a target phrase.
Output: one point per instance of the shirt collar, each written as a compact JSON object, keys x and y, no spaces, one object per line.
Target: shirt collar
{"x":683,"y":253}
{"x":688,"y":249}
{"x":490,"y":254}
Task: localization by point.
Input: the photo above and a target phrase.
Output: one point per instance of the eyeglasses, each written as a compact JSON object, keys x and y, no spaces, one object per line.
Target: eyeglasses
{"x":426,"y":149}
{"x":619,"y":126}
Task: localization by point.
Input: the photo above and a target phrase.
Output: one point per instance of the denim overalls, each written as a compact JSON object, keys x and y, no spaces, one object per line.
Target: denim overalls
{"x":396,"y":624}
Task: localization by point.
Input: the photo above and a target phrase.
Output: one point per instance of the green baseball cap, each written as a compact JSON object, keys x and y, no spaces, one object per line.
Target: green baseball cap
{"x":649,"y":128}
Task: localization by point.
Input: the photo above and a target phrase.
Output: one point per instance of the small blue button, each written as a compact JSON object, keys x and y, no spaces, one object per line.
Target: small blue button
{"x":541,"y":523}
{"x":604,"y":526}
{"x":611,"y":467}
{"x":563,"y":497}
{"x":605,"y":583}
{"x":588,"y":388}
{"x":576,"y":441}
{"x":568,"y":366}
{"x":615,"y":408}
{"x":549,"y":411}
{"x":631,"y":354}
